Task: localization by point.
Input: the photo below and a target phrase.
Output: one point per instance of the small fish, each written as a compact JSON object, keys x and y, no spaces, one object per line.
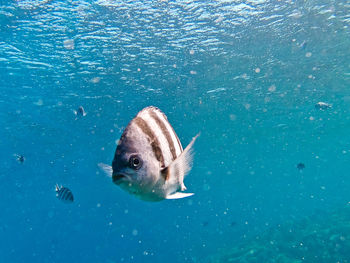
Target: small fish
{"x":322,"y":105}
{"x":20,"y":158}
{"x":80,"y":112}
{"x":303,"y":45}
{"x":300,"y":166}
{"x":64,"y":194}
{"x":149,"y":161}
{"x":233,"y":223}
{"x":205,"y":223}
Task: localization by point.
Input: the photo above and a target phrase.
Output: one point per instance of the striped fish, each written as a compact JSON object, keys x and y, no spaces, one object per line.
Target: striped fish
{"x":64,"y":194}
{"x":149,"y":161}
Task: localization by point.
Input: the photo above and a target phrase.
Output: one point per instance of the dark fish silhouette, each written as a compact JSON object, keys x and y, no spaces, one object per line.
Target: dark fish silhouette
{"x":322,"y":105}
{"x":80,"y":112}
{"x":233,"y":223}
{"x":20,"y":158}
{"x":300,"y":166}
{"x":64,"y":194}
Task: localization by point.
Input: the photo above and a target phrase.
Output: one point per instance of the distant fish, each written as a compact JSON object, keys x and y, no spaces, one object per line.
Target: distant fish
{"x":80,"y":112}
{"x":205,"y":223}
{"x":64,"y":194}
{"x":300,"y":166}
{"x":303,"y":45}
{"x":322,"y":105}
{"x":149,"y":161}
{"x":233,"y":223}
{"x":20,"y":158}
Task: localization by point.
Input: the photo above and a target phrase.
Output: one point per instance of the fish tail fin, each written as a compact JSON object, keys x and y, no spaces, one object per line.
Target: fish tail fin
{"x":107,"y":169}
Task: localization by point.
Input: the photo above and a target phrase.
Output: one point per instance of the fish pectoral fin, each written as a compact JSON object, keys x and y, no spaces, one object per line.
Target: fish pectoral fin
{"x":108,"y":170}
{"x":181,"y":165}
{"x":179,"y":195}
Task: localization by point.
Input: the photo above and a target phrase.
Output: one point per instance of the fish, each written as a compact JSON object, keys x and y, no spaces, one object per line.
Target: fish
{"x":300,"y":166}
{"x":20,"y":158}
{"x":80,"y":112}
{"x":64,"y":194}
{"x":322,"y":105}
{"x":149,"y":161}
{"x":303,"y":45}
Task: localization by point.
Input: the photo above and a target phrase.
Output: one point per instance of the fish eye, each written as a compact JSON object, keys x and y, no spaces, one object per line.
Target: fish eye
{"x":135,"y":162}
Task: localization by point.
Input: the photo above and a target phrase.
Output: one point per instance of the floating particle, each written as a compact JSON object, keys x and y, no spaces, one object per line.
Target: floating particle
{"x":193,"y":72}
{"x":20,"y":158}
{"x":64,"y":194}
{"x":300,"y":166}
{"x":69,"y":44}
{"x":308,"y":54}
{"x":191,"y":52}
{"x":80,"y":112}
{"x":40,"y":102}
{"x":257,"y":70}
{"x":272,"y":88}
{"x":322,"y":105}
{"x":206,"y":187}
{"x":233,"y":117}
{"x":95,"y":80}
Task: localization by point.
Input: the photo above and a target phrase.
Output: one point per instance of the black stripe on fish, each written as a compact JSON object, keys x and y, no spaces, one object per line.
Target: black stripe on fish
{"x":67,"y":194}
{"x":64,"y":194}
{"x":172,"y":129}
{"x":152,"y":139}
{"x":165,"y":132}
{"x":174,"y":169}
{"x":165,"y":173}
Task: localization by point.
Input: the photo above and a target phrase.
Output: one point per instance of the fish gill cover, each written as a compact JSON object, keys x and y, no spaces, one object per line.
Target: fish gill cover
{"x":265,"y":82}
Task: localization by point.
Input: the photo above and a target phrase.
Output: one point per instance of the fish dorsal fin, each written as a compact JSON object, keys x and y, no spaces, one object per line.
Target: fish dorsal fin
{"x":176,"y":170}
{"x":108,"y":170}
{"x":179,"y":195}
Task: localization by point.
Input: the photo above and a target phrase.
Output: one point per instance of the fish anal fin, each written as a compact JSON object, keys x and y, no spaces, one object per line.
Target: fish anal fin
{"x":179,"y":195}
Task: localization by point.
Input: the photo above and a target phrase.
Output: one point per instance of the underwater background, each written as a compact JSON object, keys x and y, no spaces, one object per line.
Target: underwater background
{"x":245,"y":74}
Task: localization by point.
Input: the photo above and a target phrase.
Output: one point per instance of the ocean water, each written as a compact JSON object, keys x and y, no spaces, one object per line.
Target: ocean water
{"x":245,"y":74}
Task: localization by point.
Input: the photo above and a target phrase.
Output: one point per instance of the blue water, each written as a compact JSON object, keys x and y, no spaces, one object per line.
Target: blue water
{"x":246,"y":74}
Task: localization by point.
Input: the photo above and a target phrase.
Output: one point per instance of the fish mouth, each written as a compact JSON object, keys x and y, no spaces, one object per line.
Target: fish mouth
{"x":119,"y":178}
